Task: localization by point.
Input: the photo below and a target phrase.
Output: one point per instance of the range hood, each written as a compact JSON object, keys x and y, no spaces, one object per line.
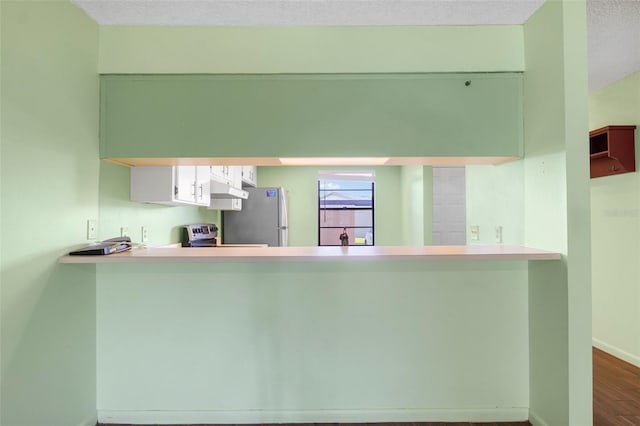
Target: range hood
{"x":225,"y":190}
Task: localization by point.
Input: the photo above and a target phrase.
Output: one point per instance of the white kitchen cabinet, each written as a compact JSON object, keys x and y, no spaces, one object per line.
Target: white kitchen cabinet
{"x":249,"y":176}
{"x":226,"y":174}
{"x":171,"y":185}
{"x":225,"y":204}
{"x":203,"y":182}
{"x":230,"y":175}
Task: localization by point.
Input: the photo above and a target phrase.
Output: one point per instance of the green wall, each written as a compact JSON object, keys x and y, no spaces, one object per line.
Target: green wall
{"x":312,"y":342}
{"x":615,"y":230}
{"x":412,"y":206}
{"x":311,"y":115}
{"x":427,"y":199}
{"x":557,"y":362}
{"x":495,"y":197}
{"x":246,"y":50}
{"x":302,"y":187}
{"x":49,"y":179}
{"x":557,"y":213}
{"x":163,"y":223}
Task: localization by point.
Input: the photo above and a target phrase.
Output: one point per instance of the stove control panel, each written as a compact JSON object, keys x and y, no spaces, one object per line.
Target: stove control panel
{"x":199,"y":235}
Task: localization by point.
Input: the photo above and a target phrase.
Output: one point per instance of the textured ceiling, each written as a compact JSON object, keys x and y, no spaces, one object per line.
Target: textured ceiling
{"x":613,"y":25}
{"x":309,"y":12}
{"x":613,"y":29}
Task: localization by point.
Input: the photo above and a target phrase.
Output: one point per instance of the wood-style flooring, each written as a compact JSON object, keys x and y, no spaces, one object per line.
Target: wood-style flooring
{"x":616,"y":391}
{"x":356,"y":424}
{"x":616,"y":398}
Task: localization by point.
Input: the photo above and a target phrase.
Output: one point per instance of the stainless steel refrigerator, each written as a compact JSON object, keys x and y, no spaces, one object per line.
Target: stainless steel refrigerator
{"x":262,"y":220}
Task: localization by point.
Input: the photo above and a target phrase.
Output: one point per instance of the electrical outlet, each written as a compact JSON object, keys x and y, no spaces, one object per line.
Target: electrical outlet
{"x":499,"y":234}
{"x":92,"y":229}
{"x":124,"y":231}
{"x":145,"y":234}
{"x":475,"y":232}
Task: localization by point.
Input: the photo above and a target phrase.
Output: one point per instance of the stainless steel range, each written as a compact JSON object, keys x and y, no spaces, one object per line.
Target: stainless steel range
{"x":200,"y":235}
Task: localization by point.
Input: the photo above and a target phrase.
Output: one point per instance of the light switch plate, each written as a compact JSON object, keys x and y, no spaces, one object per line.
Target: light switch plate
{"x":498,"y":234}
{"x":475,"y":232}
{"x":92,"y":229}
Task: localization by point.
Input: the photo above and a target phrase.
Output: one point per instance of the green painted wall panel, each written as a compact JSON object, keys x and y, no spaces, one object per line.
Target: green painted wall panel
{"x":412,"y":208}
{"x":557,"y":212}
{"x":49,"y":182}
{"x":319,"y":49}
{"x":427,"y":198}
{"x":368,"y":339}
{"x":495,"y":197}
{"x":311,"y":115}
{"x":545,"y":215}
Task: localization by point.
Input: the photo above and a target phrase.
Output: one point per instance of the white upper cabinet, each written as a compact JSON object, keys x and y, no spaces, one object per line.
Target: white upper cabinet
{"x":226,"y":174}
{"x":249,"y":176}
{"x":203,"y":182}
{"x":185,"y":181}
{"x":171,"y":185}
{"x":226,"y":183}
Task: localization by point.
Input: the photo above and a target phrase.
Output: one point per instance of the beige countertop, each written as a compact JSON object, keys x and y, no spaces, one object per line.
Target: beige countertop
{"x":229,"y":253}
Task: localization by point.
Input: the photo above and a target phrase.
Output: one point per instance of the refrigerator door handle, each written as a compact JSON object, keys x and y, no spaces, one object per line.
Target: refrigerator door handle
{"x":284,"y":220}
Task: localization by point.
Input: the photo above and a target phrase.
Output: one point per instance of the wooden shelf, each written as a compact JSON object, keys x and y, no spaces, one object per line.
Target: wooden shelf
{"x":612,"y":150}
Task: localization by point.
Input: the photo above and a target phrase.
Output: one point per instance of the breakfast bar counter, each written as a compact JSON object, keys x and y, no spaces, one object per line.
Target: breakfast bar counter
{"x":226,"y":254}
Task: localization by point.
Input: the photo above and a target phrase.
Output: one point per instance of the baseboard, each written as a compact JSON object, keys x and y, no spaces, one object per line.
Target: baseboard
{"x":314,"y":416}
{"x":536,"y":420}
{"x":617,"y":352}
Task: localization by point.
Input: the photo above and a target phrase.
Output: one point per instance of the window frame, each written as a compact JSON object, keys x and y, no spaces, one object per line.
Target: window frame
{"x":371,"y":181}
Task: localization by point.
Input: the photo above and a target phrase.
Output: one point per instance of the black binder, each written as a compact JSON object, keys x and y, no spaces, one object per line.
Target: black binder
{"x":113,"y":245}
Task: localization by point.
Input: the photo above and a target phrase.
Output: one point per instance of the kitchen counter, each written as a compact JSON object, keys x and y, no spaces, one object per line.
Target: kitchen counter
{"x":229,"y":253}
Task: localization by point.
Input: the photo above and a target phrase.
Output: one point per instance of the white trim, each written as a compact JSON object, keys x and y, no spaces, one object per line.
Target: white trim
{"x":91,"y":420}
{"x":536,"y":420}
{"x":514,"y":414}
{"x":617,"y":352}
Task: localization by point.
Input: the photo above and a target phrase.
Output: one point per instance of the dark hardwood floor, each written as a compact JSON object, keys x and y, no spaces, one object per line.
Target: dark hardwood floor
{"x":356,"y":424}
{"x":616,"y":391}
{"x":616,"y":398}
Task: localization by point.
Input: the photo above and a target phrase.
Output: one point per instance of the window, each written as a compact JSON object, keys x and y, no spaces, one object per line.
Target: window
{"x":346,"y":200}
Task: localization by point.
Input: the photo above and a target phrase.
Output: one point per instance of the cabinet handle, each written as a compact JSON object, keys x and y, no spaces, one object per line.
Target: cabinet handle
{"x":194,"y":189}
{"x":201,"y":192}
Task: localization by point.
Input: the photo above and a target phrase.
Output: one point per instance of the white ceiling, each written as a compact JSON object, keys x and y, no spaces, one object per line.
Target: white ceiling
{"x":613,"y":25}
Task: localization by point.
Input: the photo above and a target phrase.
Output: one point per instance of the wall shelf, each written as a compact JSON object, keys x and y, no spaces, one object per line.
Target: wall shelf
{"x":612,"y":150}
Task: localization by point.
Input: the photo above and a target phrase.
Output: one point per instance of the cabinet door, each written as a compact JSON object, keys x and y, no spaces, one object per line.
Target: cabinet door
{"x":221,"y":174}
{"x":203,"y":183}
{"x":185,"y":189}
{"x":235,"y":176}
{"x":217,"y":173}
{"x":249,"y":176}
